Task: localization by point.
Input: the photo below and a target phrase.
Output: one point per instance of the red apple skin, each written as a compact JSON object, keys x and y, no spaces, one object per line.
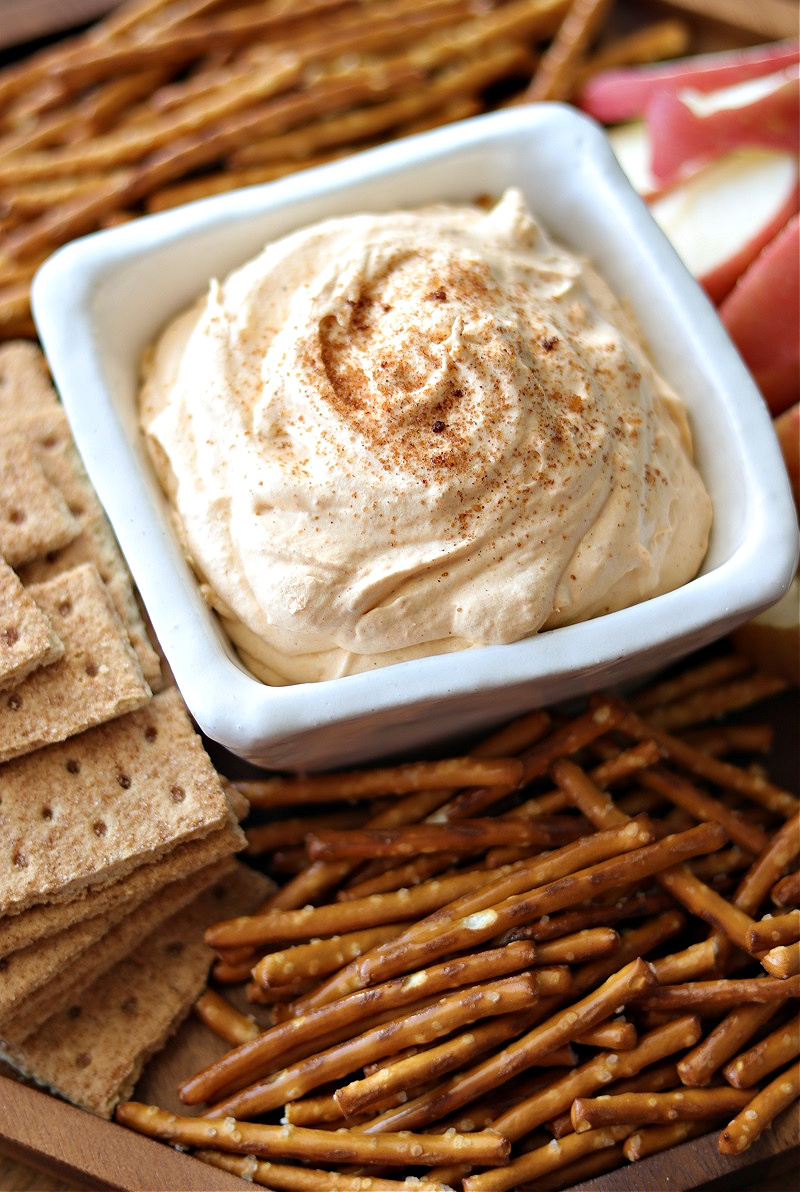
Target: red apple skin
{"x":624,"y":93}
{"x":762,"y":316}
{"x":682,"y":141}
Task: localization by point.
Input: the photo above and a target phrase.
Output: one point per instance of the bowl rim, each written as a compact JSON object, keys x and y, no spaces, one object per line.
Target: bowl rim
{"x":252,"y":716}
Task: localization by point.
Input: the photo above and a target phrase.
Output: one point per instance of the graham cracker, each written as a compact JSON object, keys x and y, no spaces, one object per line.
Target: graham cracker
{"x":118,"y":936}
{"x":93,"y":1052}
{"x":90,"y":809}
{"x":97,"y":678}
{"x":50,"y":438}
{"x":24,"y":378}
{"x":27,"y":638}
{"x":46,"y":919}
{"x":34,"y":517}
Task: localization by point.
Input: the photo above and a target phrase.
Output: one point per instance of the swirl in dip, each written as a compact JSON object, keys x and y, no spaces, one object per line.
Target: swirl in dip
{"x":403,"y":434}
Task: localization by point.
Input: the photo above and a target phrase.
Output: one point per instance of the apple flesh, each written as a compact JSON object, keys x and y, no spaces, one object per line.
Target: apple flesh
{"x":772,"y":639}
{"x":721,"y":218}
{"x":689,"y":129}
{"x":762,"y":316}
{"x":614,"y":96}
{"x":787,"y":428}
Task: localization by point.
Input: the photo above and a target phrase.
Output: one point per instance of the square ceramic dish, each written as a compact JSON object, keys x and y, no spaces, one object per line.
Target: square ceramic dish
{"x":101,"y":300}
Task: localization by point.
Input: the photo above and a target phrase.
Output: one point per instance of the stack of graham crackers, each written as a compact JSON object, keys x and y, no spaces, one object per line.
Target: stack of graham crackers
{"x":117,"y":835}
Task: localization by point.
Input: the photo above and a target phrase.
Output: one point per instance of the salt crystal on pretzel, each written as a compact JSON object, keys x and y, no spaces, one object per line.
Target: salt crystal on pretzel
{"x":646,"y":1108}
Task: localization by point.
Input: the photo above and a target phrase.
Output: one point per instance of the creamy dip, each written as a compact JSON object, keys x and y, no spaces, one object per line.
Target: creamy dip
{"x":403,"y":434}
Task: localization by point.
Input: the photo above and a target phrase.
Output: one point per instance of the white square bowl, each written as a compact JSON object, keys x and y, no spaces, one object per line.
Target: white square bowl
{"x":99,"y":301}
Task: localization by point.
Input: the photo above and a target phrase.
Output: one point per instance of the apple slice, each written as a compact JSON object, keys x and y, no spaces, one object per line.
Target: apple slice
{"x":719,"y":219}
{"x":762,"y":315}
{"x":772,"y":639}
{"x":690,"y":128}
{"x":632,"y":149}
{"x":624,"y":93}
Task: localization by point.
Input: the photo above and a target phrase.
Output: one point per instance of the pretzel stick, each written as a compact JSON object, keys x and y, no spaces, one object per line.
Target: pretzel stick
{"x":536,"y":1163}
{"x":272,"y":926}
{"x":705,"y":807}
{"x":635,"y":941}
{"x":664,"y":39}
{"x":782,"y":962}
{"x":713,"y":997}
{"x":732,"y":738}
{"x":320,"y":957}
{"x":305,"y":1179}
{"x":465,"y":836}
{"x":294,"y":1142}
{"x":653,"y":1139}
{"x":729,"y":777}
{"x":524,"y":876}
{"x":728,"y":1036}
{"x":395,"y":877}
{"x":689,"y":681}
{"x":247,"y":1062}
{"x":522,"y":908}
{"x":691,"y":962}
{"x":651,"y":1080}
{"x":559,"y":1029}
{"x":600,"y":1070}
{"x":778,"y":1048}
{"x":582,"y":945}
{"x":223,"y":1019}
{"x":559,"y":65}
{"x":419,"y":1026}
{"x":761,"y":1110}
{"x":538,"y":759}
{"x":685,"y":886}
{"x":585,"y":918}
{"x":774,"y":929}
{"x":366,"y":784}
{"x":718,"y":701}
{"x":263,"y":838}
{"x":684,"y":1105}
{"x":766,"y":869}
{"x":786,"y":891}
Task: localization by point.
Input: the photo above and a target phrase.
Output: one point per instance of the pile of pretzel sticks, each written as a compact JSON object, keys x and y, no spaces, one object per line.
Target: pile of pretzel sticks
{"x":165,"y":101}
{"x":573,"y":947}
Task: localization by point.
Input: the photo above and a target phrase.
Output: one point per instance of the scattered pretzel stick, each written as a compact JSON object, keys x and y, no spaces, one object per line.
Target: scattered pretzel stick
{"x":464,"y":836}
{"x":661,"y":1108}
{"x":716,"y":996}
{"x":783,"y":961}
{"x":582,"y":945}
{"x":745,"y":1128}
{"x":702,"y":806}
{"x":616,"y":991}
{"x":602,"y":1069}
{"x":653,"y":1139}
{"x":367,"y":784}
{"x":728,"y":1036}
{"x":778,"y":1048}
{"x":305,"y":1179}
{"x":251,"y":1060}
{"x":689,"y":681}
{"x":774,"y":929}
{"x":786,"y":891}
{"x":273,"y":926}
{"x":226,"y":1021}
{"x":319,"y":957}
{"x":731,"y":738}
{"x":294,"y":1142}
{"x":662,"y":40}
{"x":538,"y":1162}
{"x":555,"y":77}
{"x":506,"y":995}
{"x":617,"y":1034}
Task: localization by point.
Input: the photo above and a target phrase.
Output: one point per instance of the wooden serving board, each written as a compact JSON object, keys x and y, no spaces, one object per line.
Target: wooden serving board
{"x":77,"y":1151}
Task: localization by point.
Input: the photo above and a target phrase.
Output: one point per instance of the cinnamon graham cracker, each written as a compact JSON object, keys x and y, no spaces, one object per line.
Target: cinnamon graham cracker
{"x":97,"y":678}
{"x":47,"y":919}
{"x":34,"y":517}
{"x":24,"y":378}
{"x":90,"y":809}
{"x":118,"y":935}
{"x":93,"y":1052}
{"x":48,"y":432}
{"x":27,"y":637}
